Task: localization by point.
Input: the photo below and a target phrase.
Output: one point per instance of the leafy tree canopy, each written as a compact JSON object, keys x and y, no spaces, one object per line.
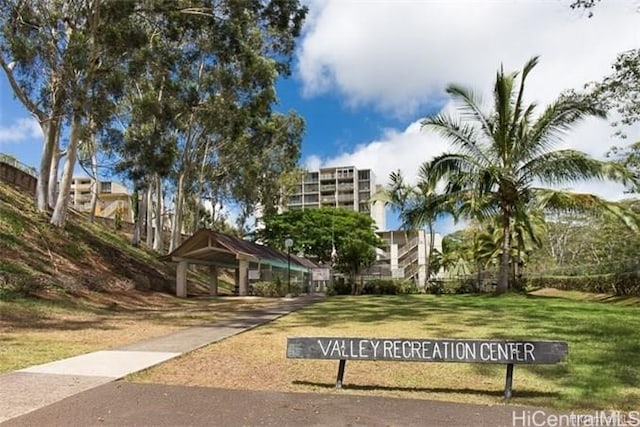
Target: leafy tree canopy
{"x":315,"y":232}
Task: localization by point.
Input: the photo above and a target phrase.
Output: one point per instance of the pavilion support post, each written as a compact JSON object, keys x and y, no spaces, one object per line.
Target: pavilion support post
{"x":181,"y":279}
{"x":213,"y":281}
{"x":243,"y":279}
{"x":267,"y":274}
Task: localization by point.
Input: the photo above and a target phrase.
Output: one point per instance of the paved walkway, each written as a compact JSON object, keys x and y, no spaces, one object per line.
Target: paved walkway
{"x":35,"y":387}
{"x":123,"y":403}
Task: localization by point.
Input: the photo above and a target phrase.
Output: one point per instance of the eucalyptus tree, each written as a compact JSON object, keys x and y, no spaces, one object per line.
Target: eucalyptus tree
{"x":269,"y":155}
{"x":231,"y":55}
{"x":500,"y":156}
{"x":62,"y":59}
{"x":571,"y":247}
{"x":32,"y":37}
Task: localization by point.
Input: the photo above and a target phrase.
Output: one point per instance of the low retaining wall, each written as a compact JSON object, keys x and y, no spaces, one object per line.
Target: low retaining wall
{"x":18,"y":178}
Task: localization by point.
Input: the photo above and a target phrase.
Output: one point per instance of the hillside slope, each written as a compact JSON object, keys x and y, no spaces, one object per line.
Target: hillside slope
{"x":37,"y":259}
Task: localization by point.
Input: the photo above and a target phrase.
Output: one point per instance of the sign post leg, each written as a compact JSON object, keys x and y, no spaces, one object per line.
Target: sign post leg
{"x":340,"y":378}
{"x":509,"y":382}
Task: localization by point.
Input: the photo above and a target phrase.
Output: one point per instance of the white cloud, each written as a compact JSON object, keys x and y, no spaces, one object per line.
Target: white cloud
{"x":313,"y":163}
{"x":21,"y":130}
{"x":407,"y":149}
{"x":399,"y":55}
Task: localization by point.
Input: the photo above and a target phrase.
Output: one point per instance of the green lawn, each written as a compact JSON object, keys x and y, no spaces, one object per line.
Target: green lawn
{"x":601,"y":372}
{"x":603,"y":367}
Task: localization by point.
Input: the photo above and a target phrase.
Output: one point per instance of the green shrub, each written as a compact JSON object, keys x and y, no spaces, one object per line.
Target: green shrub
{"x":339,"y":287}
{"x":275,"y":289}
{"x":462,"y":285}
{"x":626,"y":283}
{"x":435,"y":287}
{"x":389,"y":287}
{"x":467,"y":285}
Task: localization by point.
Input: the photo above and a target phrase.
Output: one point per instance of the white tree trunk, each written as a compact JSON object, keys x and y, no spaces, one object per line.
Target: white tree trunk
{"x":52,"y":151}
{"x":149,"y":209}
{"x":176,"y":226}
{"x":430,"y":250}
{"x":158,"y":243}
{"x":59,"y":216}
{"x":96,"y":182}
{"x":43,"y":198}
{"x":54,"y":166}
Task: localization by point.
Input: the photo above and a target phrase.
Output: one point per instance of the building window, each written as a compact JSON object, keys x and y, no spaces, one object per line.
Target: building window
{"x":105,"y":187}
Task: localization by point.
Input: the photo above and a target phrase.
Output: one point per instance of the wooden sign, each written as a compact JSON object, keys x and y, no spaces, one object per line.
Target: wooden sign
{"x":320,"y":274}
{"x":427,"y":350}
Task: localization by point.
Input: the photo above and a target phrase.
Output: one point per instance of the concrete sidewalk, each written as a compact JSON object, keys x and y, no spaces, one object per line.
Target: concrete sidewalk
{"x":35,"y":387}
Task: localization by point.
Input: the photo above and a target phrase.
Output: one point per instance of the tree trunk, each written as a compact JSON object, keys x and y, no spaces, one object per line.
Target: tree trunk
{"x":48,"y":124}
{"x":158,"y":242}
{"x":59,"y":216}
{"x":196,"y":215}
{"x":141,"y":214}
{"x":54,"y":166}
{"x":354,"y":285}
{"x":431,"y":247}
{"x":503,"y":279}
{"x":53,"y":138}
{"x":149,"y":209}
{"x":518,"y":282}
{"x":42,"y":196}
{"x":96,"y":182}
{"x":176,"y":225}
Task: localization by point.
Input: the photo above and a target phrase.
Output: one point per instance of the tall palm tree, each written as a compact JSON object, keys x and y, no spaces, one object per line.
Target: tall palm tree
{"x":500,"y":155}
{"x":417,"y":205}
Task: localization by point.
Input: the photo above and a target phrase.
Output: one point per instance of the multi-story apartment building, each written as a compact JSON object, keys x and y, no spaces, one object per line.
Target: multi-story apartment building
{"x":404,"y":254}
{"x":342,"y":187}
{"x":113,"y":199}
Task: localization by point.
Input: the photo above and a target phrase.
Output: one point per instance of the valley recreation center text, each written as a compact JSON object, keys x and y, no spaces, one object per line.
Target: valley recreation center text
{"x":434,"y":350}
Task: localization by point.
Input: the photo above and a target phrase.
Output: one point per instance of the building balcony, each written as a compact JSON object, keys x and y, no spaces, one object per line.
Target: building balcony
{"x":345,"y":177}
{"x":325,"y":188}
{"x":346,"y":198}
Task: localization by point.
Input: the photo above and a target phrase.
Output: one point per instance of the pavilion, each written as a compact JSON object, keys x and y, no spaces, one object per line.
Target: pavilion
{"x":250,"y":261}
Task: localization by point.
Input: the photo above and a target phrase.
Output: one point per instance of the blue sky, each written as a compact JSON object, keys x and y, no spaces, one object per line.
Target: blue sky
{"x":366,"y":72}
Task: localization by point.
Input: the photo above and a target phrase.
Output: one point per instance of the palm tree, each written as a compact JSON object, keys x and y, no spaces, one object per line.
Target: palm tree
{"x":417,"y":206}
{"x":501,"y":154}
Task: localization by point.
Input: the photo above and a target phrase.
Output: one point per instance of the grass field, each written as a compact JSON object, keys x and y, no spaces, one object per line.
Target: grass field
{"x":35,"y":331}
{"x":601,"y":372}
